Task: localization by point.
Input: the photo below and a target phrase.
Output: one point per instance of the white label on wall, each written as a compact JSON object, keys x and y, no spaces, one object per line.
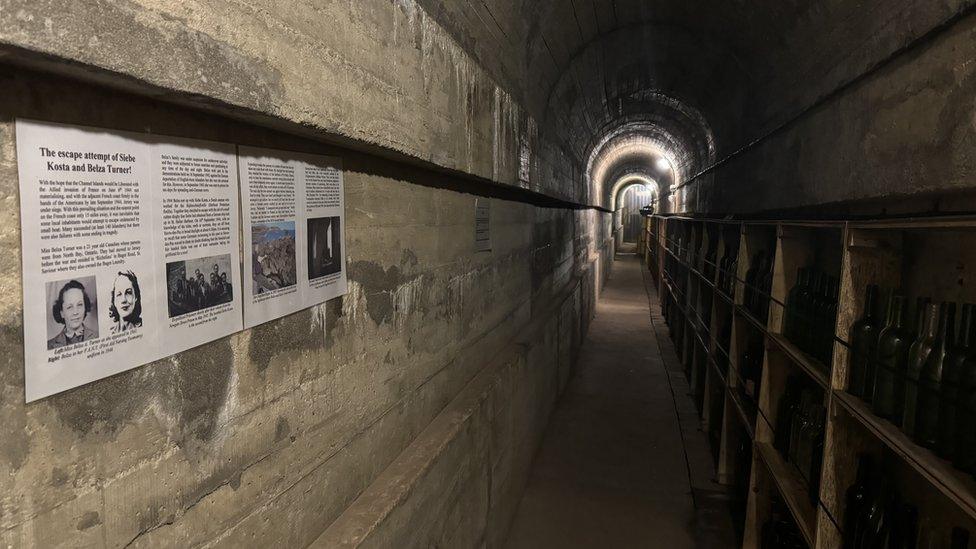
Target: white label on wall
{"x":482,"y":225}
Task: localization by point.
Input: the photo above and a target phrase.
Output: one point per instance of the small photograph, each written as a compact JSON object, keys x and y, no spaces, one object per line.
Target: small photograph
{"x":273,"y":256}
{"x":125,"y":309}
{"x":324,"y":255}
{"x":72,"y":311}
{"x":196,"y":284}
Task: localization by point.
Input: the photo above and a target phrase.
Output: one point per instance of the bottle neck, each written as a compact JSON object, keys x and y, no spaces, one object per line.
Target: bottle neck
{"x":896,"y":312}
{"x":870,"y":301}
{"x":966,"y":326}
{"x":947,"y":318}
{"x":930,"y":327}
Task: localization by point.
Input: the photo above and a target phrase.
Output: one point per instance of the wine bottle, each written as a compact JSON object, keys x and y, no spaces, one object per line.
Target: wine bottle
{"x":827,"y":321}
{"x":959,"y":538}
{"x":965,"y":455}
{"x":893,"y":343}
{"x":784,"y":415}
{"x":856,"y":501}
{"x":930,"y":380}
{"x":789,"y":315}
{"x":870,"y":534}
{"x":904,"y":527}
{"x":951,"y":376}
{"x":917,"y":355}
{"x":864,"y":344}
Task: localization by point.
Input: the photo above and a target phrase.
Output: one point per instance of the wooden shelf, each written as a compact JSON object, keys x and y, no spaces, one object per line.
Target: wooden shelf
{"x":956,"y":485}
{"x":793,"y":489}
{"x":813,"y":367}
{"x":744,"y":313}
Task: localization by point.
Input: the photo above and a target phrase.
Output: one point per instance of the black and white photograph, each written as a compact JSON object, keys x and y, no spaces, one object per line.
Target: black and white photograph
{"x":125,"y":309}
{"x":324,"y":253}
{"x":72,"y":308}
{"x":196,"y":284}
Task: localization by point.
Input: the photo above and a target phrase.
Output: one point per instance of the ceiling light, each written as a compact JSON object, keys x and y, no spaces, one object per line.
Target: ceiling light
{"x":663,"y":164}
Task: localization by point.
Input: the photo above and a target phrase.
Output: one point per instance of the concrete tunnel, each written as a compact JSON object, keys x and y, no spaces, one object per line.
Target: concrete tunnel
{"x":506,"y":273}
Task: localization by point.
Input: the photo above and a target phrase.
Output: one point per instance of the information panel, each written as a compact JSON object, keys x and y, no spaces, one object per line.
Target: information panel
{"x":292,"y":207}
{"x":131,"y":250}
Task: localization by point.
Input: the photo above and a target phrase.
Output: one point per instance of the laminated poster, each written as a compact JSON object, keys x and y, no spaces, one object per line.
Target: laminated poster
{"x":292,"y":209}
{"x":131,"y":250}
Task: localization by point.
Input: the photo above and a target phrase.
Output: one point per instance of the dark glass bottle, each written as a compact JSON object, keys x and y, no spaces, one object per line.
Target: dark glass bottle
{"x":871,"y":531}
{"x":864,"y":344}
{"x":784,"y":414}
{"x":965,"y":455}
{"x":959,"y":538}
{"x":903,"y":533}
{"x":828,"y":320}
{"x":815,"y":462}
{"x":951,"y":376}
{"x":893,"y":343}
{"x":930,"y":379}
{"x":856,"y":501}
{"x":917,"y":355}
{"x":790,"y":313}
{"x":749,"y":292}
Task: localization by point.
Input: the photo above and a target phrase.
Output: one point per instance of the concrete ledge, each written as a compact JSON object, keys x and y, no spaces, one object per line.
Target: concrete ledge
{"x":459,"y":482}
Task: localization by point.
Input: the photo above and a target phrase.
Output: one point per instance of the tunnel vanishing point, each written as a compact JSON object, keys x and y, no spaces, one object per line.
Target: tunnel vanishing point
{"x":505,"y":166}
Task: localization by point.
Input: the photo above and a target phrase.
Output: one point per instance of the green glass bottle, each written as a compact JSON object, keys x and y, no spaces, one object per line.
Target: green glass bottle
{"x":893,"y":343}
{"x":930,"y":379}
{"x":951,"y":376}
{"x":965,"y":454}
{"x":917,"y":355}
{"x":864,"y":344}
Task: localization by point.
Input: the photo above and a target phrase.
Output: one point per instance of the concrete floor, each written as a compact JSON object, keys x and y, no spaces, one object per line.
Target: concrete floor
{"x":623,"y":463}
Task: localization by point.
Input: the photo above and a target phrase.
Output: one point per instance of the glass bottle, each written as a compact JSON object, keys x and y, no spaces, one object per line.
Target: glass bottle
{"x":904,"y":527}
{"x":930,"y":379}
{"x":965,"y":455}
{"x":856,"y":501}
{"x":959,"y":538}
{"x":828,"y":321}
{"x":893,"y":343}
{"x":784,"y":415}
{"x":789,"y":314}
{"x":917,"y":355}
{"x":951,"y":376}
{"x":864,"y":344}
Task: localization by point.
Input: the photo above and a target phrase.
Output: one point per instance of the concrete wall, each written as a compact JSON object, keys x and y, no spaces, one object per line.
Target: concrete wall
{"x":902,"y":140}
{"x":264,"y":438}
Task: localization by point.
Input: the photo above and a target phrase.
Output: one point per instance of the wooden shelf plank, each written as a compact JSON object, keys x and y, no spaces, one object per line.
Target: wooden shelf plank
{"x":744,"y":313}
{"x":793,"y":489}
{"x":956,"y":485}
{"x":813,"y":367}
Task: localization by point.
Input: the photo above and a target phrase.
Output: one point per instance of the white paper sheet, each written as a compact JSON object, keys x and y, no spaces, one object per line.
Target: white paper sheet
{"x":94,"y":239}
{"x":292,"y":206}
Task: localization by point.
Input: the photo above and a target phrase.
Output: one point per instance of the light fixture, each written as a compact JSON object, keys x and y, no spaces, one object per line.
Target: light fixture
{"x":663,"y":164}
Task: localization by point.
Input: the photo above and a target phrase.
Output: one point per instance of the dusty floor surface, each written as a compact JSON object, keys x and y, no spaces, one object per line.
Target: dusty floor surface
{"x":622,"y":463}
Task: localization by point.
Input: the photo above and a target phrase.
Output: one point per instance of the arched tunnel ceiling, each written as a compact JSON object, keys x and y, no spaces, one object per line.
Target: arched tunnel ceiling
{"x":706,"y":77}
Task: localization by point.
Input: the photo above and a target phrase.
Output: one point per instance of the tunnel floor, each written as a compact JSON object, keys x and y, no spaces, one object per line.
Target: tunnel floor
{"x":623,"y":462}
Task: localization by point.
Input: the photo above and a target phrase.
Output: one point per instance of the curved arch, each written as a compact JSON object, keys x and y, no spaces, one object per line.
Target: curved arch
{"x":626,"y":182}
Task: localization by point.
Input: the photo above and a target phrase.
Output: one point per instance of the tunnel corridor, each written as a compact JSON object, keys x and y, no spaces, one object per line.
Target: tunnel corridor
{"x":623,"y":460}
{"x":501,"y":273}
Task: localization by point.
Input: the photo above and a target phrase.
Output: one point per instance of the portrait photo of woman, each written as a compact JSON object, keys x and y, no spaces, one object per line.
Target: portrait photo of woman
{"x":72,"y":312}
{"x":126,"y":303}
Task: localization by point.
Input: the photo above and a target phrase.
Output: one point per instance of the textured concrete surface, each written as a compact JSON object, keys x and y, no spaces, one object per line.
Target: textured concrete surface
{"x":614,"y":467}
{"x":264,"y":438}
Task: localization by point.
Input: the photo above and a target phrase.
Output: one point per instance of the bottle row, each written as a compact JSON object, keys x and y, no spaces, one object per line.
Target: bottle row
{"x":799,"y":431}
{"x":876,"y":516}
{"x":758,"y":282}
{"x":780,"y":531}
{"x":727,"y":269}
{"x":811,"y":313}
{"x":920,"y":377}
